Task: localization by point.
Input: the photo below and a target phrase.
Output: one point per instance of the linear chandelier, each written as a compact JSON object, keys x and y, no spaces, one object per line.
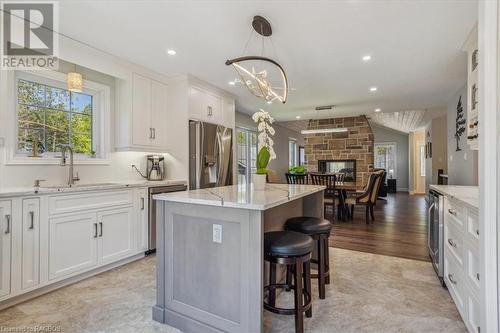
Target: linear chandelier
{"x":258,"y":81}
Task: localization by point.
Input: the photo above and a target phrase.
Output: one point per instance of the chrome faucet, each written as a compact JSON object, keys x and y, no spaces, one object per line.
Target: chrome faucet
{"x":71,"y":178}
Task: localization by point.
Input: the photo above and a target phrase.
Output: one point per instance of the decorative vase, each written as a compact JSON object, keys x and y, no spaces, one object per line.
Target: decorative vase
{"x":259,"y":182}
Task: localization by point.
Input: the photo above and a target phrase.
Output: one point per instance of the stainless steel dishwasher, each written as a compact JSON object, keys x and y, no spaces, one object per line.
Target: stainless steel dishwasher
{"x":152,"y":212}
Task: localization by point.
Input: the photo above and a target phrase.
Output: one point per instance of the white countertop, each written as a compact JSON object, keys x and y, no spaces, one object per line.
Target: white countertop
{"x":466,"y":194}
{"x":242,"y":196}
{"x":82,"y":187}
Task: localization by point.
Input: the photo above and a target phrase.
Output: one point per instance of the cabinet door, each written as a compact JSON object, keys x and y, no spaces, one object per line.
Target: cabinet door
{"x":30,"y":243}
{"x":115,"y":234}
{"x":142,"y":132}
{"x":5,"y":244}
{"x":197,"y":106}
{"x":72,"y":244}
{"x":213,"y":108}
{"x":142,"y":219}
{"x":228,"y":114}
{"x":159,"y":114}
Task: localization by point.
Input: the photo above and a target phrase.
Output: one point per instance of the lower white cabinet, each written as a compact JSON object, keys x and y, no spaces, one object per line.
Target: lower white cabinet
{"x":115,"y":236}
{"x":141,"y":198}
{"x":461,"y":260}
{"x":72,"y":244}
{"x":5,"y":246}
{"x":47,"y":239}
{"x":30,"y":255}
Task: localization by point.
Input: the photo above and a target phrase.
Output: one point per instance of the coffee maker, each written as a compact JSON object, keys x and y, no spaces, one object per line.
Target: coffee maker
{"x":155,"y":169}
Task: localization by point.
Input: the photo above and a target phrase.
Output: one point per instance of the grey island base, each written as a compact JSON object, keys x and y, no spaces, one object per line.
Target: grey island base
{"x":210,"y":262}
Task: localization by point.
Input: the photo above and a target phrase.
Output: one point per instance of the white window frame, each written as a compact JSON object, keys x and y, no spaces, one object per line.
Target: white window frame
{"x":395,"y":144}
{"x":100,"y":119}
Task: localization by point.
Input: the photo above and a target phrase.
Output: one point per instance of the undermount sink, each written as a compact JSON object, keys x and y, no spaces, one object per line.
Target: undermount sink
{"x":77,"y":185}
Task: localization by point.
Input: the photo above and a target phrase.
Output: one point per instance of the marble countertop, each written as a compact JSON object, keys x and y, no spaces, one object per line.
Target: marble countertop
{"x":466,"y":194}
{"x":242,"y":196}
{"x":82,"y":187}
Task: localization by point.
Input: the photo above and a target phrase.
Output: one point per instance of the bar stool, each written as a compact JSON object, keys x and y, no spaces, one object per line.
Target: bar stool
{"x":292,"y":249}
{"x":319,"y":230}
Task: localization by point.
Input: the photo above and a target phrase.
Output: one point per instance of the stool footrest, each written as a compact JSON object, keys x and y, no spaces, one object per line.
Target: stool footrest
{"x":307,"y":305}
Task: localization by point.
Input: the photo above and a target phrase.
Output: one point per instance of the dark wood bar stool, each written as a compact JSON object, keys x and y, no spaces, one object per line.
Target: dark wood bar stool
{"x":319,"y":230}
{"x":294,"y":250}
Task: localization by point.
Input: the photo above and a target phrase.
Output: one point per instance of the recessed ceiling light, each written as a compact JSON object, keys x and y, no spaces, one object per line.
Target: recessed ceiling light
{"x":171,"y":52}
{"x":297,"y":117}
{"x":231,"y":83}
{"x":367,"y":57}
{"x":378,"y":110}
{"x":373,"y":89}
{"x":269,"y":102}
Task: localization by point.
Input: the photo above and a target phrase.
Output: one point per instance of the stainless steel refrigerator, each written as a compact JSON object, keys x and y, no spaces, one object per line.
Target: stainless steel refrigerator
{"x":210,"y":155}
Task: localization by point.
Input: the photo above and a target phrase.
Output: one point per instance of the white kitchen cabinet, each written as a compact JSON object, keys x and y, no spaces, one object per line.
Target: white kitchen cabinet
{"x":205,"y":105}
{"x":141,"y":198}
{"x":160,"y":114}
{"x":5,"y":246}
{"x":30,"y":255}
{"x":115,"y":234}
{"x":142,"y":132}
{"x":72,"y":244}
{"x":142,"y":120}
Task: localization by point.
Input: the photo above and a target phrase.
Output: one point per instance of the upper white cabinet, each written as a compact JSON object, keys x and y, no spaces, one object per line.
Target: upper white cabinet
{"x":205,"y":105}
{"x":30,"y":243}
{"x":5,"y":246}
{"x":142,"y":121}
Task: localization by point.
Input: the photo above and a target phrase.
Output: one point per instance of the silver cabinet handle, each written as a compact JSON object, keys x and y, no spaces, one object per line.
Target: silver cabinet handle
{"x":100,"y":233}
{"x":154,"y":133}
{"x":150,"y":132}
{"x":477,"y":276}
{"x":32,"y":219}
{"x":450,"y":277}
{"x":95,"y":230}
{"x":477,"y":232}
{"x":209,"y":111}
{"x":451,"y":242}
{"x":452,"y":211}
{"x":7,"y":219}
{"x":142,"y":203}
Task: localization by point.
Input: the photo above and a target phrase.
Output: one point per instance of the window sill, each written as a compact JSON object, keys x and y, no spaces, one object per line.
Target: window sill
{"x":54,"y":161}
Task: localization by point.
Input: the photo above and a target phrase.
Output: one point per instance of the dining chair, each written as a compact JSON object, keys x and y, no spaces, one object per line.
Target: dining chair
{"x":368,"y":197}
{"x":293,"y":178}
{"x":328,"y":180}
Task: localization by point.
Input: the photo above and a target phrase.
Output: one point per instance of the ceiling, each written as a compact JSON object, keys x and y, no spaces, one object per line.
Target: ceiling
{"x":417,"y":62}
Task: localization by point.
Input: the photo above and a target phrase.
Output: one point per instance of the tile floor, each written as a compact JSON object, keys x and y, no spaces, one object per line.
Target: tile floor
{"x":368,"y":293}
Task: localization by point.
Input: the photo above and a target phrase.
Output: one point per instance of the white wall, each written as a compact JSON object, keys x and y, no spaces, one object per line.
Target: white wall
{"x":100,"y":67}
{"x":386,"y":135}
{"x":462,"y":165}
{"x":283,"y":134}
{"x":436,"y":132}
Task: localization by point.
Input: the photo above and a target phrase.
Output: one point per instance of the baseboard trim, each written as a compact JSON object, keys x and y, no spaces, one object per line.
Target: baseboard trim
{"x":66,"y":282}
{"x":402,"y":189}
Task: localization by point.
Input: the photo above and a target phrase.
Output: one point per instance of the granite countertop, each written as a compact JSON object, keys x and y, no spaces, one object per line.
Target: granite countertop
{"x":242,"y":196}
{"x":469,"y":195}
{"x":82,"y":187}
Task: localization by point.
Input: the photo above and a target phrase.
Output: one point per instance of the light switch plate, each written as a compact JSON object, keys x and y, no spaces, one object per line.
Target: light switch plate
{"x":217,"y":233}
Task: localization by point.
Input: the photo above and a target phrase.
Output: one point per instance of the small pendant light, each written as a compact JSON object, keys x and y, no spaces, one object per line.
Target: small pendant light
{"x":75,"y":81}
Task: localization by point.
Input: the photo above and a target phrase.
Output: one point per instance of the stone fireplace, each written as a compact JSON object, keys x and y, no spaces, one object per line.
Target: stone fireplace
{"x":355,"y":144}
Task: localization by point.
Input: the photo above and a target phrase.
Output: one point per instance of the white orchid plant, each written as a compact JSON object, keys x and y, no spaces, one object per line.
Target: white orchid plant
{"x":266,"y":131}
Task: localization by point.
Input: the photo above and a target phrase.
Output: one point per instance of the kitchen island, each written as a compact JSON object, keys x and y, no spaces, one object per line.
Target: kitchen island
{"x":210,"y":261}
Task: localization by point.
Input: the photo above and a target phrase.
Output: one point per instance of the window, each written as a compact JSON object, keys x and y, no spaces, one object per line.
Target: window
{"x":385,"y":158}
{"x":246,"y":150}
{"x":52,"y":116}
{"x":302,"y":156}
{"x":292,"y":152}
{"x":422,"y":160}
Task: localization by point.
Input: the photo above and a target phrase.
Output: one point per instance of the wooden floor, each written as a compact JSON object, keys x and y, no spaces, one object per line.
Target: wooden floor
{"x":399,"y":229}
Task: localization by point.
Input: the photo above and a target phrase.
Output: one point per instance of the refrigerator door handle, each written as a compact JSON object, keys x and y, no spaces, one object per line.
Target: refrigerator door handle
{"x":200,"y":155}
{"x":219,"y":151}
